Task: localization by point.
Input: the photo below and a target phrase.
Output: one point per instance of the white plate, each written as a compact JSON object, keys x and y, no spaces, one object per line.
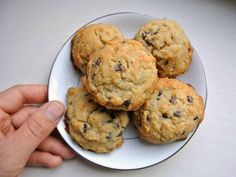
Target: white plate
{"x":135,"y":153}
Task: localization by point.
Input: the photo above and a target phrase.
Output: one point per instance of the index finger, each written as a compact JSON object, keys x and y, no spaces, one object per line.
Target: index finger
{"x":14,"y":98}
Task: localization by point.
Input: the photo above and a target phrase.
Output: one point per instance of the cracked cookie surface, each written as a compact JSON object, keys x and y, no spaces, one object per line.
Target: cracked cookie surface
{"x":172,"y":112}
{"x":93,"y":127}
{"x":167,"y":42}
{"x":91,"y":38}
{"x":122,"y":75}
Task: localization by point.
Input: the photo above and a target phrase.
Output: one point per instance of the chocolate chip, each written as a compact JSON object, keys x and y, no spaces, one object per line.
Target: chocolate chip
{"x":189,"y":49}
{"x":148,"y":119}
{"x":156,"y":32}
{"x":126,"y":103}
{"x":118,"y":67}
{"x":97,"y":62}
{"x":166,"y":62}
{"x":190,"y":99}
{"x":173,"y":100}
{"x":195,"y":118}
{"x":177,"y":114}
{"x":86,"y":127}
{"x":102,"y":109}
{"x":112,"y":113}
{"x":117,"y":125}
{"x":144,"y":35}
{"x":109,"y":136}
{"x":148,"y":43}
{"x":160,"y":93}
{"x":165,"y":115}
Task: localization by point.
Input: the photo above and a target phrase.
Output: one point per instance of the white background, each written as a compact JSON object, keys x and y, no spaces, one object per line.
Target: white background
{"x":32,"y":32}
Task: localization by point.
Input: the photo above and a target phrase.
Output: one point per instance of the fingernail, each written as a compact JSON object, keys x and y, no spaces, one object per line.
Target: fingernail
{"x":70,"y":155}
{"x":55,"y":110}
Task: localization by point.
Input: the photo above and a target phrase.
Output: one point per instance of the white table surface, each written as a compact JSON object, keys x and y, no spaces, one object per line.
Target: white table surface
{"x":32,"y":32}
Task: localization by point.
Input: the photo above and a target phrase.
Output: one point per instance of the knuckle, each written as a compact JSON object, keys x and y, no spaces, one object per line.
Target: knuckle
{"x":36,"y":128}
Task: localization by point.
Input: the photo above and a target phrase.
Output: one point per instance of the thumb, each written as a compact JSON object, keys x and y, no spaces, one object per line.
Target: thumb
{"x":37,"y":128}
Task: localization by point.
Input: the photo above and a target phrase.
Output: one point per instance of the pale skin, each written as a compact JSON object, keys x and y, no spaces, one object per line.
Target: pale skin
{"x":25,"y":130}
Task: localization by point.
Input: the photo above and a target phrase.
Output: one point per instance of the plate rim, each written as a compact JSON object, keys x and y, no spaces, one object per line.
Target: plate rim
{"x":100,"y":165}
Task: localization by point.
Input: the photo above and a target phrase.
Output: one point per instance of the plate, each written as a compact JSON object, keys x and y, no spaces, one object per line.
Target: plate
{"x":135,"y":153}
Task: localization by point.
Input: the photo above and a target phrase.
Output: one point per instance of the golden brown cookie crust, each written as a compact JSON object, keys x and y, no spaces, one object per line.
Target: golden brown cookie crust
{"x":167,"y":42}
{"x":122,"y":75}
{"x":91,"y":38}
{"x":93,"y":127}
{"x":172,"y":112}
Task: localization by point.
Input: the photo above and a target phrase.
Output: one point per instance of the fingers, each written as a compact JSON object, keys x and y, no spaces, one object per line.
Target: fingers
{"x":14,"y":98}
{"x":21,"y":116}
{"x":44,"y":159}
{"x":50,"y":144}
{"x":6,"y":127}
{"x":39,"y":125}
{"x":53,"y":145}
{"x":5,"y":121}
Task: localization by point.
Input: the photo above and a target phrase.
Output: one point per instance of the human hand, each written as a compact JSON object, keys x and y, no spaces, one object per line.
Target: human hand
{"x":24,"y":130}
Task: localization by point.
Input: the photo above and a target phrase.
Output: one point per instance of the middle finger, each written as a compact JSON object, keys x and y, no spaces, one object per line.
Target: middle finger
{"x":55,"y":146}
{"x":22,"y":115}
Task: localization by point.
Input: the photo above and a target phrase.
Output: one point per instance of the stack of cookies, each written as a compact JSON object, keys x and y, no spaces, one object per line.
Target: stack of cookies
{"x":135,"y":75}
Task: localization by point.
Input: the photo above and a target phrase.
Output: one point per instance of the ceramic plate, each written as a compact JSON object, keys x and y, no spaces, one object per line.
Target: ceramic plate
{"x":135,"y":153}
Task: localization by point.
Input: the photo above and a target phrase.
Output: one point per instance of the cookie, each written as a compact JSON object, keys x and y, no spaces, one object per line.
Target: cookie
{"x":167,"y":42}
{"x":91,"y":38}
{"x":93,"y":127}
{"x":122,"y":75}
{"x":173,"y":111}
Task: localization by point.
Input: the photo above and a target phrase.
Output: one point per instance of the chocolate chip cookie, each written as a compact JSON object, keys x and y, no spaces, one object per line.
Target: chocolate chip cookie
{"x":93,"y":127}
{"x":173,"y":111}
{"x":167,"y":42}
{"x":122,"y":75}
{"x":91,"y":38}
